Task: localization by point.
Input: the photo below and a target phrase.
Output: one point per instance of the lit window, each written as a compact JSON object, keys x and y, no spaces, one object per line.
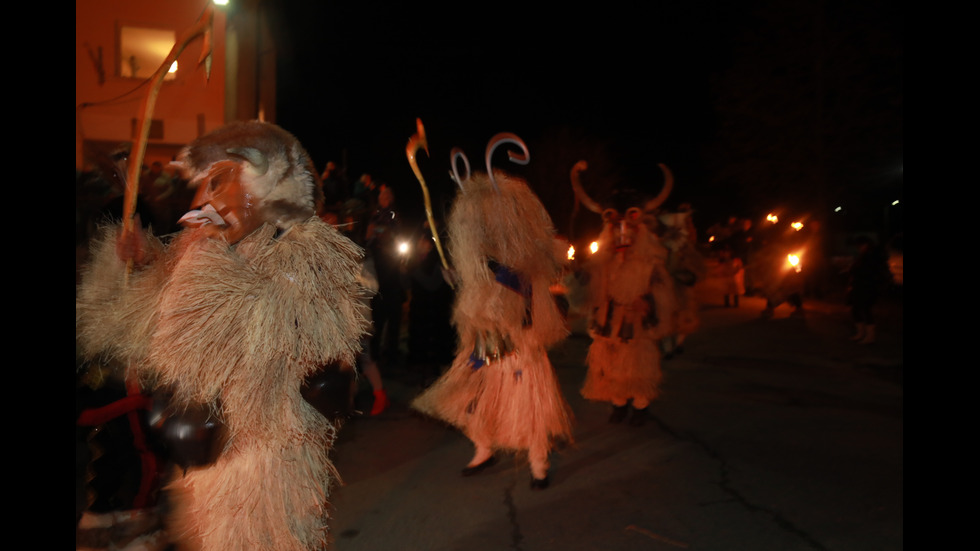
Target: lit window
{"x":142,"y":51}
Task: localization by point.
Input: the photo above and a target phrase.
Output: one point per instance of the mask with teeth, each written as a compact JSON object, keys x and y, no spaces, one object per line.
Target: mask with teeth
{"x":222,"y":206}
{"x":248,"y":174}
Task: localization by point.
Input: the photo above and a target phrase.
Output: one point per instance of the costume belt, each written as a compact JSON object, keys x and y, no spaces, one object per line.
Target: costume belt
{"x":621,"y":319}
{"x":491,"y":346}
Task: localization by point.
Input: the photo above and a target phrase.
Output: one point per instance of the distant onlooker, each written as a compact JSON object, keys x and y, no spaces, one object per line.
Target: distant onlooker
{"x":431,"y":335}
{"x":335,"y":188}
{"x":386,"y":307}
{"x":869,"y":274}
{"x":732,"y":273}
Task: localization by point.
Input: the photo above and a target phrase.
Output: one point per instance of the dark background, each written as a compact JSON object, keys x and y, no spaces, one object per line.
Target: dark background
{"x":755,"y":106}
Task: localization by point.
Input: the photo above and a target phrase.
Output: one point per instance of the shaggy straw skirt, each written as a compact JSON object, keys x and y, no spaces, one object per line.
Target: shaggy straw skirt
{"x":619,"y":371}
{"x":511,"y":404}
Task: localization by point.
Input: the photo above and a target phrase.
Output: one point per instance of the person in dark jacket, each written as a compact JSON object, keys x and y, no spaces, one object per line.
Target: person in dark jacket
{"x":868,"y":276}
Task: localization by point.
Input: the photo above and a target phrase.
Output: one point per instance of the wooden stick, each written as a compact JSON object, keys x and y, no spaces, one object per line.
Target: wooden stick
{"x":202,"y":28}
{"x":415,"y":143}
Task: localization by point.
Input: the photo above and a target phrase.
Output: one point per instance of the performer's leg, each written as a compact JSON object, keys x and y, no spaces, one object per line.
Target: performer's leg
{"x":538,"y":457}
{"x":481,"y":454}
{"x":373,"y":374}
{"x":482,"y":458}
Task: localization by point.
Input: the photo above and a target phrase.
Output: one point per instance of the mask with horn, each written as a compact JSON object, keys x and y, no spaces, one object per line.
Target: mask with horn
{"x":248,"y":174}
{"x":629,"y":211}
{"x":502,"y":241}
{"x":496,"y":215}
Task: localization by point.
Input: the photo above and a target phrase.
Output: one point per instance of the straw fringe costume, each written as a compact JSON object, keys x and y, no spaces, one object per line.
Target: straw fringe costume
{"x":686,"y":266}
{"x":506,"y":255}
{"x":633,"y":306}
{"x":238,"y":327}
{"x":687,"y":318}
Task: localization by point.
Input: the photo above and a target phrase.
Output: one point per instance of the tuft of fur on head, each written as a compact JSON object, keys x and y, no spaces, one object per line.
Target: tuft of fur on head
{"x":511,"y":227}
{"x":287,"y":187}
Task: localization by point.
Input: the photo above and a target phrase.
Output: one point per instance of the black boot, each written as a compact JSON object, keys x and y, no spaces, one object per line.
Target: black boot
{"x":618,"y":414}
{"x":539,"y":483}
{"x":639,"y":417}
{"x":476,"y":469}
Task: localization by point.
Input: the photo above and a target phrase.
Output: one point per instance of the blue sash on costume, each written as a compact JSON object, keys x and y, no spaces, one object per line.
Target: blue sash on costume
{"x":514,"y":281}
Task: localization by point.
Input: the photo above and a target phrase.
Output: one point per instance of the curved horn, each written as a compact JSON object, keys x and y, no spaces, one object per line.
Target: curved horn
{"x":416,"y":142}
{"x":662,"y":196}
{"x":579,"y":192}
{"x":506,"y":137}
{"x":453,"y":155}
{"x":253,"y":156}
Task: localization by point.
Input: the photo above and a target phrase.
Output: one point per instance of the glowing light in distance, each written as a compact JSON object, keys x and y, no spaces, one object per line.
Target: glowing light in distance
{"x":571,"y":252}
{"x":403,"y":248}
{"x":797,"y":226}
{"x":772,"y":218}
{"x":594,"y":246}
{"x":895,"y":202}
{"x":794,"y":261}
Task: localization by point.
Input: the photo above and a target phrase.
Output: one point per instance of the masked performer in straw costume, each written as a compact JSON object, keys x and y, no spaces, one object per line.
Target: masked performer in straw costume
{"x":686,"y":266}
{"x":632,"y":303}
{"x":252,"y":297}
{"x":501,"y":389}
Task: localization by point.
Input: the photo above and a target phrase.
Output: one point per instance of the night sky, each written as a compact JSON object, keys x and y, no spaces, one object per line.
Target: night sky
{"x":754,"y":106}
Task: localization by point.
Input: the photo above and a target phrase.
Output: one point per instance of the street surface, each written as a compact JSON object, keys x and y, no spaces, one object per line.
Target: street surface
{"x":775,"y":434}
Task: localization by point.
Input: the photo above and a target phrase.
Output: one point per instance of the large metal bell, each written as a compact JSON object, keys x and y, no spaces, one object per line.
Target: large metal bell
{"x":331,"y":390}
{"x":191,"y":435}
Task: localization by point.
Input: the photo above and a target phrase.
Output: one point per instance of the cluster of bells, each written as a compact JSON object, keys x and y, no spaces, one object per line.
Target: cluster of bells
{"x":193,"y":435}
{"x":490,"y":347}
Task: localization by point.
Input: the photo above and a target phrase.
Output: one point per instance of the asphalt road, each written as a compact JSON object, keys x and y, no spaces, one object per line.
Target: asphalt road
{"x":771,"y":434}
{"x":776,"y":434}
